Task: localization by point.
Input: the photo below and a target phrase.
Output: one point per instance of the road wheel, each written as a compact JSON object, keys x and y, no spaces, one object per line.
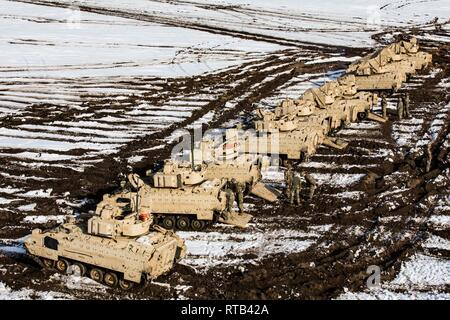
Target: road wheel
{"x":48,"y":263}
{"x":62,"y":265}
{"x":111,"y":279}
{"x":285,"y":162}
{"x":183,"y":223}
{"x":96,"y":274}
{"x":168,"y":223}
{"x":197,"y":225}
{"x":125,"y":284}
{"x":362,"y":115}
{"x":79,"y":269}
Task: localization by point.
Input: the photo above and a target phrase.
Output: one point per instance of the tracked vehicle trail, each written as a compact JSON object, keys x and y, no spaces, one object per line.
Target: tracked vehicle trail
{"x":167,"y":21}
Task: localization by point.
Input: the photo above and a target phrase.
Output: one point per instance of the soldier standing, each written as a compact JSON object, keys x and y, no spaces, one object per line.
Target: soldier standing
{"x":230,"y":201}
{"x":288,"y":174}
{"x":406,"y":105}
{"x":400,"y":108}
{"x":312,"y":184}
{"x":239,"y":190}
{"x":384,"y":106}
{"x":294,"y":196}
{"x":306,"y":156}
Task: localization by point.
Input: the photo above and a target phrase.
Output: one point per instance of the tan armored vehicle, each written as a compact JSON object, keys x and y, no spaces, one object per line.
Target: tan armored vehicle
{"x":297,"y":144}
{"x":389,"y":67}
{"x":222,"y":159}
{"x":182,"y":198}
{"x":290,"y":137}
{"x":190,"y":194}
{"x":119,"y":246}
{"x":341,"y":112}
{"x":334,"y":103}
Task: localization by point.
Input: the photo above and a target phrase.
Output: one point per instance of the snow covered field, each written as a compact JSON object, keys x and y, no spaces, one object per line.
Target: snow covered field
{"x":57,"y":55}
{"x":329,"y":22}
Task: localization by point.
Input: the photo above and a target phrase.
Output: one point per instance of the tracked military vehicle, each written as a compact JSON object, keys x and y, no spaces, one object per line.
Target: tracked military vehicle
{"x":190,"y":194}
{"x":297,"y":144}
{"x":224,"y":159}
{"x":119,"y":245}
{"x":389,"y":67}
{"x":181,"y":198}
{"x":332,"y":105}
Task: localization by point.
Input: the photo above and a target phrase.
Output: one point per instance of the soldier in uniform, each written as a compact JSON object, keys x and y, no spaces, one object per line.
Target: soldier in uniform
{"x":288,"y":174}
{"x":406,"y":105}
{"x":306,"y":157}
{"x":312,"y":184}
{"x":294,"y":196}
{"x":230,"y":202}
{"x":400,"y":108}
{"x":384,"y":106}
{"x":239,"y":191}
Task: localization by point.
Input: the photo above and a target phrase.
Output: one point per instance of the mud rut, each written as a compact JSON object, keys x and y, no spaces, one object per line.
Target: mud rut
{"x":359,"y":236}
{"x":198,"y":25}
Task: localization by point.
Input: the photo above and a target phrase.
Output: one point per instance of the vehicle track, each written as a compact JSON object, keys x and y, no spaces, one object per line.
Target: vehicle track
{"x":176,"y":23}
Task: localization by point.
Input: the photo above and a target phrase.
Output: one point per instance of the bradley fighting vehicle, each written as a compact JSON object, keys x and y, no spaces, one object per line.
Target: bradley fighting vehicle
{"x":119,"y":245}
{"x":389,"y":67}
{"x":182,"y":198}
{"x":331,"y":105}
{"x":192,"y":193}
{"x":222,"y":157}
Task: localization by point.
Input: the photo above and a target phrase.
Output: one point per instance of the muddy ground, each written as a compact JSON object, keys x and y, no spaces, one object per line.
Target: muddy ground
{"x":359,"y":232}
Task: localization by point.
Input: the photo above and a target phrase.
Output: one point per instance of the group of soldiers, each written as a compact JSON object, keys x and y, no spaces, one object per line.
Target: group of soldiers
{"x":402,"y":106}
{"x":234,"y":190}
{"x":294,"y":185}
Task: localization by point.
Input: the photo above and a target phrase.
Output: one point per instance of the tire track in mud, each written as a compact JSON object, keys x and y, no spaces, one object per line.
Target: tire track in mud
{"x":166,"y":21}
{"x":184,"y":23}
